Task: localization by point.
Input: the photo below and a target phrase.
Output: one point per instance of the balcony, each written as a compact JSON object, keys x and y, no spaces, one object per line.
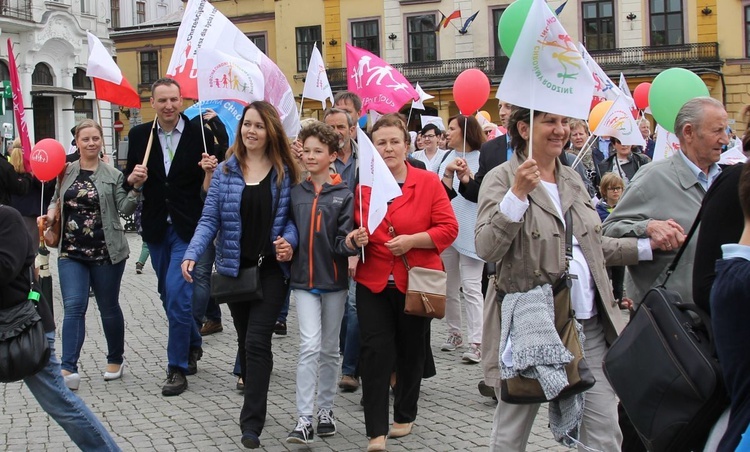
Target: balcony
{"x":629,"y":60}
{"x":16,"y":9}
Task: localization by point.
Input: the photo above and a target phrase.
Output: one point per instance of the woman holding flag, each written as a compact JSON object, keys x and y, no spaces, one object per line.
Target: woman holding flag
{"x":520,"y":227}
{"x":418,"y":225}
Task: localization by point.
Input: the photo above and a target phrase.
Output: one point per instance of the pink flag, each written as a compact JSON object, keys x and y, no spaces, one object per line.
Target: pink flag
{"x":381,"y":87}
{"x":18,"y":111}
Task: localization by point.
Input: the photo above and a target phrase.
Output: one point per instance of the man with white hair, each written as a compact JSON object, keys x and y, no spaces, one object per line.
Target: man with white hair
{"x":663,"y":199}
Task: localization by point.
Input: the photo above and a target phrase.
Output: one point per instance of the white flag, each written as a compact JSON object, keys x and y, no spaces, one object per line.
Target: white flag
{"x":618,"y":122}
{"x":222,"y":76}
{"x":316,"y":81}
{"x":437,"y":120}
{"x":733,"y":156}
{"x":604,"y":88}
{"x":624,"y":86}
{"x":419,"y":104}
{"x":374,"y":173}
{"x":546,"y":71}
{"x":666,"y":144}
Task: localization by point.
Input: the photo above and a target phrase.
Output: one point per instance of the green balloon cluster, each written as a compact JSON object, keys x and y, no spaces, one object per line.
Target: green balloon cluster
{"x":670,"y":90}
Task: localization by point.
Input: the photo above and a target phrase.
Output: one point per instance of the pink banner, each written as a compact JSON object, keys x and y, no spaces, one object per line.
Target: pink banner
{"x":381,"y":87}
{"x":18,"y":111}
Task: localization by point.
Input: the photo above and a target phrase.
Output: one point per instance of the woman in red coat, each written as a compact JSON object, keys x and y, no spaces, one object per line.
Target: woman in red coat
{"x":424,"y":225}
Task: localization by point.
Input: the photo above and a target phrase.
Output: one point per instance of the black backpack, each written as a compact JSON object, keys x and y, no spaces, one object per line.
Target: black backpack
{"x":664,"y":369}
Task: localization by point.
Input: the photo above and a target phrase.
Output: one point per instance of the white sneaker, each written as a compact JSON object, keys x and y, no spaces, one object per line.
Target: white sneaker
{"x":453,"y":342}
{"x":473,"y":355}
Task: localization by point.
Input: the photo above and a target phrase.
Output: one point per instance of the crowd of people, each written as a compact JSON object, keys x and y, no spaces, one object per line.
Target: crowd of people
{"x":493,"y":213}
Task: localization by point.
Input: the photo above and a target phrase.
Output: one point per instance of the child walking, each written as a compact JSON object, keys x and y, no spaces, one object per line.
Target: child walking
{"x":322,"y":209}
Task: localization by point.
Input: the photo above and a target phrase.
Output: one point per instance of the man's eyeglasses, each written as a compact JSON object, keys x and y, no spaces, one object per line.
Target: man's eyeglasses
{"x":429,"y":137}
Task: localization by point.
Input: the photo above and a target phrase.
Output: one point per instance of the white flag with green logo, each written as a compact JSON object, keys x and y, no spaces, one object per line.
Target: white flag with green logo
{"x":546,"y":71}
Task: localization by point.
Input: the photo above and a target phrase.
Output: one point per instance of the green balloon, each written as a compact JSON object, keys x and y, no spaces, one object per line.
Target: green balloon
{"x":511,"y":22}
{"x":670,"y":90}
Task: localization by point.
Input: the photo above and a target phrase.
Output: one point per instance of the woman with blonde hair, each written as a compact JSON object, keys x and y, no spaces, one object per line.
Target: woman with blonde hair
{"x":247,"y":210}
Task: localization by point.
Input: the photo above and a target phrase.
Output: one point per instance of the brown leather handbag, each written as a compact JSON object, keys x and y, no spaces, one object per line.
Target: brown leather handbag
{"x":522,"y":390}
{"x":52,"y":233}
{"x":425,"y":290}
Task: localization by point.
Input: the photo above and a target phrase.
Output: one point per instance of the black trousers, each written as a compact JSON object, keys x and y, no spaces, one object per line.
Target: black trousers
{"x":389,"y":338}
{"x":254,"y":321}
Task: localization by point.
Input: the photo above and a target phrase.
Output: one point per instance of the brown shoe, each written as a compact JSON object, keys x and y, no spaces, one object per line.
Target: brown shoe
{"x":211,"y":327}
{"x":349,"y":383}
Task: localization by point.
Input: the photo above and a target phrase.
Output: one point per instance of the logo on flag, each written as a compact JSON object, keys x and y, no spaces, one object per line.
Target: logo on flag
{"x":378,"y":84}
{"x":604,"y":88}
{"x":221,"y":76}
{"x":316,"y":81}
{"x":618,"y":122}
{"x":666,"y":144}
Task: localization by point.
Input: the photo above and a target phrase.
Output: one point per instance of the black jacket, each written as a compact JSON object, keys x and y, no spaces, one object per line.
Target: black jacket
{"x":492,"y":153}
{"x":11,"y":183}
{"x":176,"y":194}
{"x":16,"y":258}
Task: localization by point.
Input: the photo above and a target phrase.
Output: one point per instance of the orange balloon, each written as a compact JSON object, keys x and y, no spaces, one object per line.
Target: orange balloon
{"x":485,"y":114}
{"x":598,"y":112}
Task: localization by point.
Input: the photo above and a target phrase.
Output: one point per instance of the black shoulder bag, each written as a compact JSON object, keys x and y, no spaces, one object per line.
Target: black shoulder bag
{"x":246,"y":286}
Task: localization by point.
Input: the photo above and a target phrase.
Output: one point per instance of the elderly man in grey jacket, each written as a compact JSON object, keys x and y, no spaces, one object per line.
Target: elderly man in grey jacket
{"x":663,"y":199}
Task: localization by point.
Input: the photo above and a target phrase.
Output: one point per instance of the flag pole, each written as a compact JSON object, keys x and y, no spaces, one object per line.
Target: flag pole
{"x":203,"y":126}
{"x":150,"y":142}
{"x":408,"y":119}
{"x":99,"y":115}
{"x":584,"y":150}
{"x":361,"y":219}
{"x":531,"y":133}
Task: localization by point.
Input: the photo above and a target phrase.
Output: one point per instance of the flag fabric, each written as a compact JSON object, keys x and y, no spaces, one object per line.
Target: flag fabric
{"x":228,"y":111}
{"x":109,"y":83}
{"x":546,"y":71}
{"x":374,"y":173}
{"x":618,"y":122}
{"x":437,"y":120}
{"x":203,"y":26}
{"x":604,"y":88}
{"x":624,"y":86}
{"x":468,"y":22}
{"x":222,"y":76}
{"x":666,"y":144}
{"x":454,"y":15}
{"x":560,"y":8}
{"x":316,"y":81}
{"x":419,"y":103}
{"x":733,"y":156}
{"x":440,"y":23}
{"x":18,"y":111}
{"x":381,"y":87}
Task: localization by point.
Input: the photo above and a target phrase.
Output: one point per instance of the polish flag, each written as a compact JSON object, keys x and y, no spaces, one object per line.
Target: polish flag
{"x":454,"y":15}
{"x":109,"y":83}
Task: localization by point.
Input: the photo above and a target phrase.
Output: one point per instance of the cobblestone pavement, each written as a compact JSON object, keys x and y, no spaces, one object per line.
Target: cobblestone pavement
{"x":452,"y":414}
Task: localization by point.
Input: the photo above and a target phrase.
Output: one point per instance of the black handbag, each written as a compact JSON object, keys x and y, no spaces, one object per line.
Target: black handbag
{"x":24,"y":348}
{"x":663,"y":368}
{"x":245,"y":287}
{"x":523,"y":390}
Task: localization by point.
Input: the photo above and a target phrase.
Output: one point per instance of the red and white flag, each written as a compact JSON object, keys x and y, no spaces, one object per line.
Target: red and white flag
{"x":316,"y":81}
{"x":374,"y":173}
{"x":109,"y":83}
{"x":381,"y":87}
{"x":618,"y":122}
{"x":221,"y":76}
{"x":666,"y":144}
{"x":203,"y":26}
{"x":18,"y":110}
{"x":546,"y":71}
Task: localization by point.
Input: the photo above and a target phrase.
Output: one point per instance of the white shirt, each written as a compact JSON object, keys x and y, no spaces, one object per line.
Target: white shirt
{"x":431,"y":164}
{"x":169,"y":142}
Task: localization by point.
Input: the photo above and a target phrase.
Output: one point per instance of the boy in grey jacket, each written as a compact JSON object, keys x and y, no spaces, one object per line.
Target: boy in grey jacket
{"x":322,"y":209}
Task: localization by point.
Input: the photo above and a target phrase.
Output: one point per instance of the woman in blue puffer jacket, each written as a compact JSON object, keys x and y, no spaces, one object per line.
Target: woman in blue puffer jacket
{"x":248,"y":210}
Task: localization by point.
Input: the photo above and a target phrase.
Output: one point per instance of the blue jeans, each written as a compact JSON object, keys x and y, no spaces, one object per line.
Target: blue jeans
{"x":351,"y":345}
{"x":176,"y":296}
{"x":203,"y":306}
{"x":66,"y":408}
{"x":75,"y":278}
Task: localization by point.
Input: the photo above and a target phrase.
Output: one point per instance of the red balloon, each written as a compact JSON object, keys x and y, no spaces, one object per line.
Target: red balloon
{"x":640,"y":95}
{"x":47,"y":159}
{"x":471,"y":90}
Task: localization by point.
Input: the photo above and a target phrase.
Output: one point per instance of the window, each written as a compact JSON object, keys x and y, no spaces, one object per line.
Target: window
{"x":501,"y":59}
{"x":666,"y":22}
{"x":598,"y":25}
{"x":149,"y":67}
{"x":747,"y":31}
{"x":366,"y":35}
{"x":42,"y":75}
{"x":5,"y":75}
{"x":83,"y":109}
{"x":421,"y":38}
{"x":259,"y":41}
{"x":306,"y":37}
{"x":115,"y":13}
{"x":80,"y":81}
{"x":86,"y":7}
{"x":140,"y":12}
